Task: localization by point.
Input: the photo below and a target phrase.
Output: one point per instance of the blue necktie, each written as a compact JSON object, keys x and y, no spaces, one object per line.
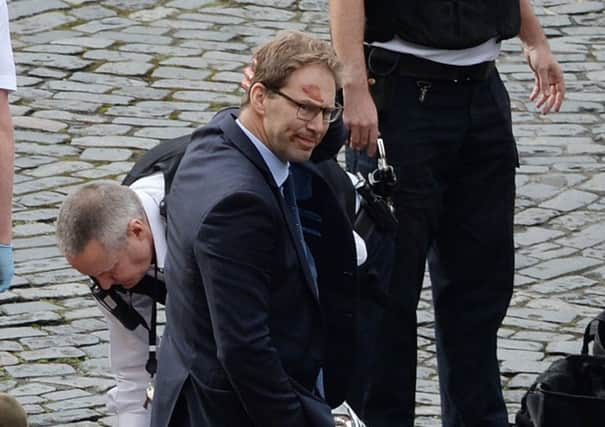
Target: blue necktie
{"x":290,"y":198}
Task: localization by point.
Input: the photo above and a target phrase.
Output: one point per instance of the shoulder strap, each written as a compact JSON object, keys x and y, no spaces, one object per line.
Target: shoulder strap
{"x":160,"y":158}
{"x":152,"y":287}
{"x":600,"y":317}
{"x":164,"y":157}
{"x":152,"y":365}
{"x":114,"y":302}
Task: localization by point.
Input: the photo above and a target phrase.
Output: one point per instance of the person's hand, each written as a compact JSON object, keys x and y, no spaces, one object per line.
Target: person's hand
{"x":549,"y":88}
{"x":361,"y":118}
{"x":248,"y":75}
{"x":6,"y":266}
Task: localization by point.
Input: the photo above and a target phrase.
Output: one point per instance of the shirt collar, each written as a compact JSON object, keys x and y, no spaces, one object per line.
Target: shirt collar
{"x":150,"y":190}
{"x":278,"y":168}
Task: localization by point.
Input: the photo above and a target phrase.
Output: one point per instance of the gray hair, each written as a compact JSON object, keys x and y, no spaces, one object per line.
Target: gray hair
{"x":97,"y":211}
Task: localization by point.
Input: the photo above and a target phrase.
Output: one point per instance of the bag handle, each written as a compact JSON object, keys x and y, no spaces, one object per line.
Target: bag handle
{"x":600,"y":316}
{"x":591,"y":331}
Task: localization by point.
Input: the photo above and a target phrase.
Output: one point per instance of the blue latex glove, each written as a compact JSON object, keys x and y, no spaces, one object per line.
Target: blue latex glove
{"x":6,"y":266}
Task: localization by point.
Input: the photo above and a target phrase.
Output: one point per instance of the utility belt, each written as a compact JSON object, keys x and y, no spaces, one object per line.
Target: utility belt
{"x":383,"y":62}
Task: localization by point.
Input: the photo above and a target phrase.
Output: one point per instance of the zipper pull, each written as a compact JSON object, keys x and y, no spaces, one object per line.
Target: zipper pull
{"x":424,"y":88}
{"x":148,"y":395}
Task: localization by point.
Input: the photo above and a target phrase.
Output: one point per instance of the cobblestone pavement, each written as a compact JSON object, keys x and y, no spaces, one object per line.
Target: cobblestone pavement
{"x":101,"y":80}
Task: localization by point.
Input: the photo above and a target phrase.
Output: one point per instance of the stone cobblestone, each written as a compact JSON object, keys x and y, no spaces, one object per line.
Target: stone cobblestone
{"x":100,"y":81}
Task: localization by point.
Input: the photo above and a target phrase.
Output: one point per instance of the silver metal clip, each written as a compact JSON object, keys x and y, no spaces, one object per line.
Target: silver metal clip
{"x":382,"y":155}
{"x":424,"y":88}
{"x":148,"y":394}
{"x":360,"y":181}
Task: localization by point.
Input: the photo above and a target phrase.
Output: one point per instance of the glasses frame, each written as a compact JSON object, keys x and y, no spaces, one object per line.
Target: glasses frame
{"x":328,"y":114}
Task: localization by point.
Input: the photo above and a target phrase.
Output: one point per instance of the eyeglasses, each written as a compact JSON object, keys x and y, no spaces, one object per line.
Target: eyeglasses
{"x":308,"y":112}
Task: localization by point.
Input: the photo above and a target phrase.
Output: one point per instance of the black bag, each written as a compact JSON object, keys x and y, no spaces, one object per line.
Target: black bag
{"x":571,"y":392}
{"x":164,"y":157}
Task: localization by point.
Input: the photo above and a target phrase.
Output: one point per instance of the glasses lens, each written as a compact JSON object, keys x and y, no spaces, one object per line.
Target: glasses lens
{"x":307,"y":112}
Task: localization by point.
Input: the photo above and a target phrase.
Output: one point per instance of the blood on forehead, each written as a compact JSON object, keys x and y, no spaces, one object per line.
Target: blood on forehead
{"x":313,"y":92}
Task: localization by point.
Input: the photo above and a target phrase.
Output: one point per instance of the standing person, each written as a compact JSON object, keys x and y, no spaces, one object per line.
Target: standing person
{"x":8,"y":83}
{"x":260,"y":322}
{"x":425,"y":80}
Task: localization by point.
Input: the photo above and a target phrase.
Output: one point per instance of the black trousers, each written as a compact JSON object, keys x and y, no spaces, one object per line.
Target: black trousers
{"x":452,"y":146}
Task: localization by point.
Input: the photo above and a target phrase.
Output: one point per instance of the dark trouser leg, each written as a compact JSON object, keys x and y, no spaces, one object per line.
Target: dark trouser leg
{"x":426,"y":142}
{"x":472,"y":264}
{"x":421,"y":139}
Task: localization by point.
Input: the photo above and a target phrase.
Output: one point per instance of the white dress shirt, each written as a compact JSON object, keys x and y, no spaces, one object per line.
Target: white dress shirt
{"x":486,"y":51}
{"x":279,"y":170}
{"x":129,"y":349}
{"x":8,"y":80}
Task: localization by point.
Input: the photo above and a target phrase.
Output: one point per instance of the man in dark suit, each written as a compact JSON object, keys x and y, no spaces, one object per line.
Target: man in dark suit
{"x":260,"y":322}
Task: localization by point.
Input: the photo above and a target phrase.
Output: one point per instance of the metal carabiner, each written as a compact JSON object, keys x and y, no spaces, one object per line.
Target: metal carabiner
{"x":382,"y":155}
{"x":383,"y":179}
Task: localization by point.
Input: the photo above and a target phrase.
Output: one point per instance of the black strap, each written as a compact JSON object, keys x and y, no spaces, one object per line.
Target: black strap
{"x":600,"y":316}
{"x":114,"y":301}
{"x":152,"y":287}
{"x":592,"y":329}
{"x":152,"y":364}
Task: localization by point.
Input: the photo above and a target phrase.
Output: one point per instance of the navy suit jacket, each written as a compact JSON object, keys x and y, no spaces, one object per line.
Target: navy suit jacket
{"x":246,"y":335}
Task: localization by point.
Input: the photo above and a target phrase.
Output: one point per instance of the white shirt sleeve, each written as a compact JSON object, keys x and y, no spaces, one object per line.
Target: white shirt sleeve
{"x":360,"y":244}
{"x":128,"y":352}
{"x":8,"y":79}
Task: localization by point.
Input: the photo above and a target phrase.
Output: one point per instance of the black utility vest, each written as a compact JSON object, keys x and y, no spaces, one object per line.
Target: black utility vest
{"x":445,"y":24}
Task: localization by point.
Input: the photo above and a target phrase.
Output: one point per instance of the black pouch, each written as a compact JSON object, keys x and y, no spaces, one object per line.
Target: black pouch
{"x":571,"y":392}
{"x":374,"y":213}
{"x":114,"y":302}
{"x":377,"y":210}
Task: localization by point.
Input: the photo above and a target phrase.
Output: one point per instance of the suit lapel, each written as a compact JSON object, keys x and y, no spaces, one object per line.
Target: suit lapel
{"x":234,"y":134}
{"x":239,"y":139}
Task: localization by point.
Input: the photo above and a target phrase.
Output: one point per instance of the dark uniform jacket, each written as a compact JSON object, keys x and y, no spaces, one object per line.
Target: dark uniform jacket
{"x":445,"y":24}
